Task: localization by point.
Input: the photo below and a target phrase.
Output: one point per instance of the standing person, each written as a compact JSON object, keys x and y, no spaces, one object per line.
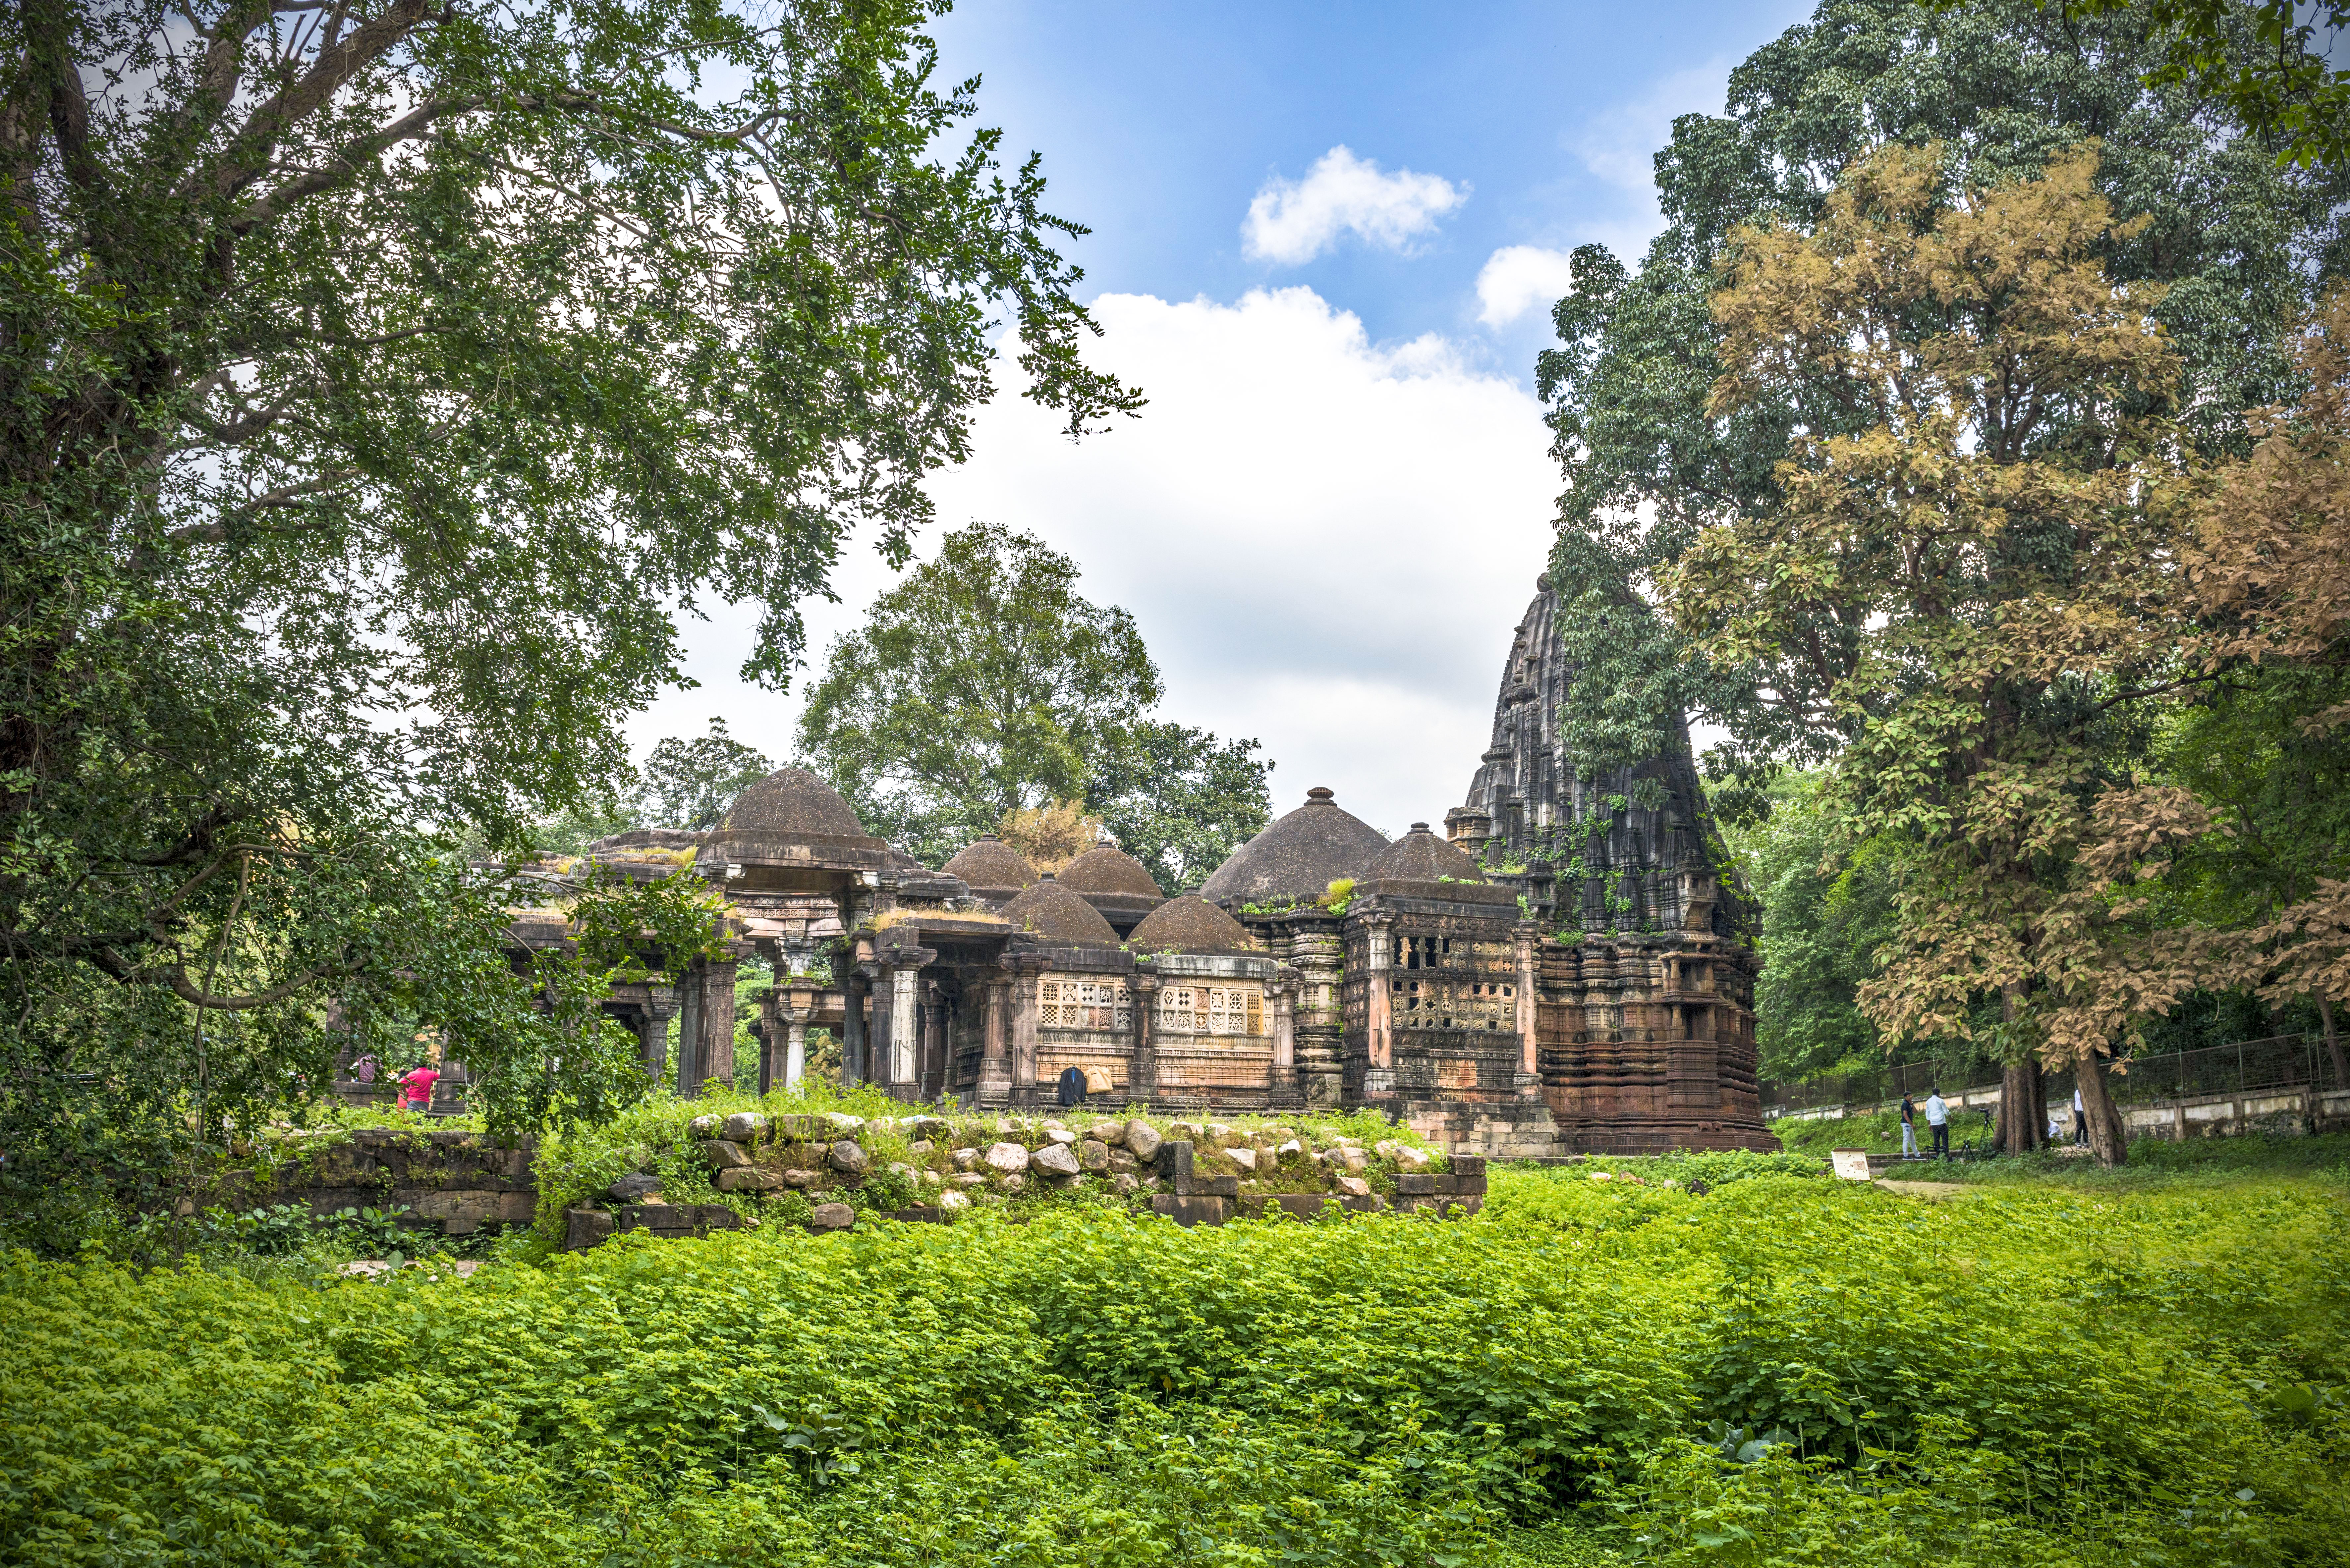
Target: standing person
{"x":416,"y":1087}
{"x":1938,"y":1118}
{"x":2080,"y":1118}
{"x":1909,"y":1128}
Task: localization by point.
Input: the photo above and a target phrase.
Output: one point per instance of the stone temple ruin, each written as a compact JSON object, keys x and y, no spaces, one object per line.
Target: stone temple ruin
{"x":1562,"y":970}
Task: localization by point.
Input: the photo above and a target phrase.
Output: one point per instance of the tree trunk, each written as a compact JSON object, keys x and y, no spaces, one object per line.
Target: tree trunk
{"x":2022,"y":1125}
{"x":2105,"y":1135}
{"x":2023,"y":1122}
{"x":2333,"y":1042}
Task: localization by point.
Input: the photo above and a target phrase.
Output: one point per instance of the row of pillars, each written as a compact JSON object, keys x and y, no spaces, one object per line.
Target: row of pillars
{"x":906,"y":1049}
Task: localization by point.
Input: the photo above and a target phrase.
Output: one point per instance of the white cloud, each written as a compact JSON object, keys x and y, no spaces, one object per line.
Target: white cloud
{"x":1291,"y":221}
{"x":1516,"y":278}
{"x":1327,"y":542}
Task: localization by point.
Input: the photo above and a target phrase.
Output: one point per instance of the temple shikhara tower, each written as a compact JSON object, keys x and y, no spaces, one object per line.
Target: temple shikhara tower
{"x":1564,"y":970}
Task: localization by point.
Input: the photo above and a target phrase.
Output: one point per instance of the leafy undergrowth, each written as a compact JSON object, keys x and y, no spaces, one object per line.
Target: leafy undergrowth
{"x":2159,"y":1163}
{"x":1787,"y":1369}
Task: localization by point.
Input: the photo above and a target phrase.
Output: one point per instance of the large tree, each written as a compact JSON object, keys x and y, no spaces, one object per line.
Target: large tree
{"x":984,"y":684}
{"x":1961,"y":592}
{"x":2001,"y":87}
{"x":690,"y":782}
{"x":377,"y":377}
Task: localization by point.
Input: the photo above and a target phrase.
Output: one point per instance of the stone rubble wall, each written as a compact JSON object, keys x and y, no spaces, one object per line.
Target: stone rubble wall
{"x":456,"y":1180}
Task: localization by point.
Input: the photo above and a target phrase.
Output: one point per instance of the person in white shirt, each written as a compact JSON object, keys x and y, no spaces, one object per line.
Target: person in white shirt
{"x":1938,"y":1119}
{"x":2080,"y":1121}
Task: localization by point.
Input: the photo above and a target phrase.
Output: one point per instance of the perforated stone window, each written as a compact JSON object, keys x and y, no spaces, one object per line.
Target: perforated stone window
{"x":1211,"y":1010}
{"x":1085,"y":1005}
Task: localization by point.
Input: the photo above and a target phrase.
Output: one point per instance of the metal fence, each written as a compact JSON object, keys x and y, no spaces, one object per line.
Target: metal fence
{"x":2279,"y":1062}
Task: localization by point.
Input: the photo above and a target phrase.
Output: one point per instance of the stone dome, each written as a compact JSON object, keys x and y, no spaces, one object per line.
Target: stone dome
{"x":792,"y":803}
{"x":1190,"y":925}
{"x":1298,"y":856}
{"x":1107,"y":868}
{"x":992,"y":868}
{"x":1051,"y":911}
{"x":1420,"y":856}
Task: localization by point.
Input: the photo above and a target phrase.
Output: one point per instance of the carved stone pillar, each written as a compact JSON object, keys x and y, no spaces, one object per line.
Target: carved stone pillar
{"x":1026,"y":1018}
{"x":718,"y":1022}
{"x":783,"y":1058}
{"x":876,"y":1033}
{"x":1142,"y":1075}
{"x":688,"y":1034}
{"x":706,"y":1034}
{"x":996,"y":1063}
{"x":1379,"y":1044}
{"x":1529,"y":1077}
{"x":855,"y":992}
{"x":1284,"y":1029}
{"x":1317,"y":951}
{"x":652,"y":1030}
{"x":931,"y":1070}
{"x":905,"y":1028}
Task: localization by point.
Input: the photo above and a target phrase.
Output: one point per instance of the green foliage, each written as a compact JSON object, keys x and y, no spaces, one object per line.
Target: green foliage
{"x":1822,"y":927}
{"x":984,"y":684}
{"x":377,"y":383}
{"x":2043,"y":1374}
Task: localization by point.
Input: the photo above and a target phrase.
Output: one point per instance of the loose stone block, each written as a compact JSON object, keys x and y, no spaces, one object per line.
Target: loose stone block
{"x":583,"y":1227}
{"x":843,"y":1125}
{"x":931,"y":1129}
{"x":1355,"y":1185}
{"x":1355,"y":1160}
{"x":1093,"y":1155}
{"x":1061,"y":1135}
{"x":749,"y":1180}
{"x":805,"y":1179}
{"x":1411,"y":1184}
{"x":1054,"y":1159}
{"x":746,"y":1126}
{"x":1009,"y":1158}
{"x":954,"y":1202}
{"x":832,"y":1217}
{"x":964,"y":1158}
{"x":921,"y":1146}
{"x":1411,"y":1159}
{"x":1111,"y":1133}
{"x":847,"y":1158}
{"x":1244,"y":1157}
{"x":634,"y":1188}
{"x":970,"y":1178}
{"x":1142,"y":1139}
{"x":724,"y":1154}
{"x":1120,"y":1159}
{"x":702,"y":1127}
{"x":1292,"y":1149}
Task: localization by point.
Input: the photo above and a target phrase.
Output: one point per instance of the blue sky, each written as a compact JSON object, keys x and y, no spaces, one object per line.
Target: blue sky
{"x":1326,"y":239}
{"x":1158,"y":122}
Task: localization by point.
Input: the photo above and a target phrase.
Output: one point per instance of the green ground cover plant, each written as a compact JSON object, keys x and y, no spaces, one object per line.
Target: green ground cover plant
{"x":1785,"y":1369}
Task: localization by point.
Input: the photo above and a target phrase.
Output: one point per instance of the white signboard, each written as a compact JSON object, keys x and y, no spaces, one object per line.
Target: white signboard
{"x":1852,"y":1164}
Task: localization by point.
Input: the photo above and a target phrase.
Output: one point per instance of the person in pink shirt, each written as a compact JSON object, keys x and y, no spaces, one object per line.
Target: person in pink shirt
{"x":417,"y":1086}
